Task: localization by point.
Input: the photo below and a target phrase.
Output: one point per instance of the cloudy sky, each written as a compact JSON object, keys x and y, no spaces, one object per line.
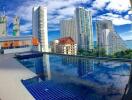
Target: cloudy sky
{"x":116,"y":10}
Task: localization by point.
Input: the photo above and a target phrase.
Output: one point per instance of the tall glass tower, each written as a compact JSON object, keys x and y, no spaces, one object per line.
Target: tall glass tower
{"x":84,"y":28}
{"x":39,"y":27}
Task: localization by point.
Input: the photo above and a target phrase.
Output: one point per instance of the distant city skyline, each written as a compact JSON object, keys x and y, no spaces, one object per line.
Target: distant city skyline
{"x":118,"y":12}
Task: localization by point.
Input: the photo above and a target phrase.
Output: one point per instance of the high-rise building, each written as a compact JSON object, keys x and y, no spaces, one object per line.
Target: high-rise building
{"x":3,"y":26}
{"x":116,"y":43}
{"x":16,"y":26}
{"x":39,"y":26}
{"x":84,"y":28}
{"x":68,"y":29}
{"x":100,"y":27}
{"x":107,"y":38}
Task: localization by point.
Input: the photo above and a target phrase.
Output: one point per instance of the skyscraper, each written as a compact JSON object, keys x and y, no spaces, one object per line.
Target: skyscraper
{"x":101,"y":27}
{"x":16,"y":26}
{"x":3,"y":26}
{"x":84,"y":28}
{"x":107,"y":38}
{"x":68,"y":29}
{"x":39,"y":26}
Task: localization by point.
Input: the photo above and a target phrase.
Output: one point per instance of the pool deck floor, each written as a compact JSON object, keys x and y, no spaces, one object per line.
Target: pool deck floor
{"x":11,"y":74}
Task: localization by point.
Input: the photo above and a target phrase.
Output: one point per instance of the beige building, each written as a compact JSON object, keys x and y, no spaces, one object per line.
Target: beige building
{"x":3,"y":25}
{"x":64,"y":45}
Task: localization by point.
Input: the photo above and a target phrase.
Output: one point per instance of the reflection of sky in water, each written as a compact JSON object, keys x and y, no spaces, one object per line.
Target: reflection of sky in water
{"x":115,"y":75}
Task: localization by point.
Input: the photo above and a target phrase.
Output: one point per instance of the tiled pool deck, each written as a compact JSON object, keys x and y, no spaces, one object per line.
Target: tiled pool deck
{"x":11,"y":74}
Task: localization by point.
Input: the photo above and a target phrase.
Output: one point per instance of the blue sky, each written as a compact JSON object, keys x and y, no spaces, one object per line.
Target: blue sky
{"x":116,"y":10}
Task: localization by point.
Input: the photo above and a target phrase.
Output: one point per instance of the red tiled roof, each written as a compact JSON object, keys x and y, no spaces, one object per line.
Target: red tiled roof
{"x":66,"y":40}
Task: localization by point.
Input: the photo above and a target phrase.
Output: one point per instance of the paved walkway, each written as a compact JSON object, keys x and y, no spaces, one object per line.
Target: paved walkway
{"x":11,"y":73}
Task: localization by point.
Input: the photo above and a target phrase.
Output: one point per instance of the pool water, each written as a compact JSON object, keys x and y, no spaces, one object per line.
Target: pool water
{"x":73,"y":78}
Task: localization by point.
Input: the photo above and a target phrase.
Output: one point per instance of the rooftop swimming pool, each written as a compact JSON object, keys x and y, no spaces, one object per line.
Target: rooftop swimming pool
{"x":74,"y":78}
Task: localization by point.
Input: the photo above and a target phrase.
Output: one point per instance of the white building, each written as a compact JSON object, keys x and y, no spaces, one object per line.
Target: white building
{"x":116,"y":43}
{"x":3,"y":26}
{"x":84,"y":28}
{"x":39,"y":26}
{"x":54,"y":46}
{"x":107,"y":38}
{"x":68,"y":29}
{"x":16,"y":26}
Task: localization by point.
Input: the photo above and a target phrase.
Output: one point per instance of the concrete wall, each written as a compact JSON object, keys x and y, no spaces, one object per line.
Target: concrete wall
{"x":17,"y":50}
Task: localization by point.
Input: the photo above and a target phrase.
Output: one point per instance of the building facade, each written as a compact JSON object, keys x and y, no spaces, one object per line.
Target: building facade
{"x":3,"y":26}
{"x":84,"y":28}
{"x":39,"y":26}
{"x":107,"y":38}
{"x":11,"y":44}
{"x":116,"y":43}
{"x":16,"y":26}
{"x":64,"y":45}
{"x":68,"y":29}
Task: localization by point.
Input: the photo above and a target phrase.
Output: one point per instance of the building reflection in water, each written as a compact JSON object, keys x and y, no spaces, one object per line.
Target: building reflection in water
{"x":39,"y":65}
{"x":84,"y":66}
{"x":46,"y":65}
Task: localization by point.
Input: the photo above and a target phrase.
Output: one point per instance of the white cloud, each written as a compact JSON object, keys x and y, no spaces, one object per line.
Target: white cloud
{"x":25,"y":27}
{"x":115,"y":5}
{"x":119,"y":6}
{"x":99,"y":4}
{"x":120,"y":21}
{"x":127,"y":35}
{"x":116,"y":19}
{"x":127,"y":17}
{"x":53,"y":5}
{"x":130,"y":12}
{"x":94,"y":12}
{"x":69,"y":11}
{"x":112,"y":15}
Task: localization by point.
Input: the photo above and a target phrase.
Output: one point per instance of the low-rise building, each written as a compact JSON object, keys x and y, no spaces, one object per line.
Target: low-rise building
{"x":64,"y":45}
{"x":11,"y":44}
